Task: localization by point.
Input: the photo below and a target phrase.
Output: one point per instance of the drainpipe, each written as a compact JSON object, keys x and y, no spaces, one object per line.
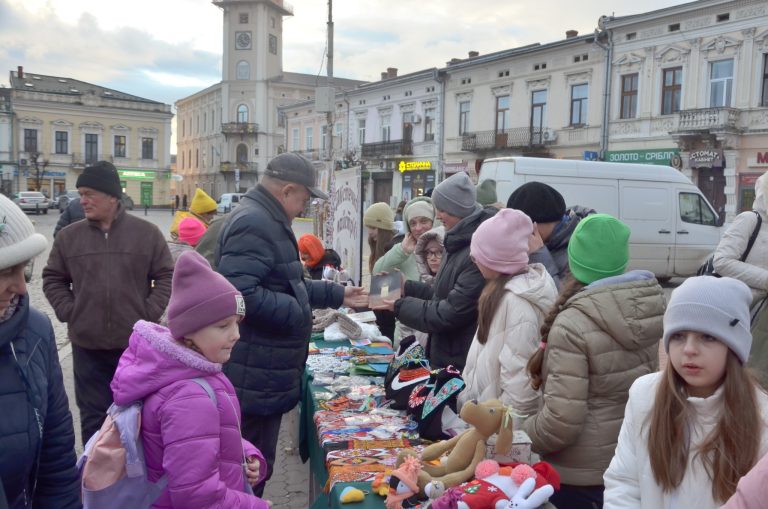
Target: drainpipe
{"x":440,"y":174}
{"x":608,"y":34}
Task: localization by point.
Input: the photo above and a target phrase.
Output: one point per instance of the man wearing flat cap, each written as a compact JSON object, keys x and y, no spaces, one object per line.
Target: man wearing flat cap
{"x":258,"y":253}
{"x":103,"y":275}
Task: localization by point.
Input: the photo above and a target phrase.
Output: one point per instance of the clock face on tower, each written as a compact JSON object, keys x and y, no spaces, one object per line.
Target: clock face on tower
{"x":242,"y":40}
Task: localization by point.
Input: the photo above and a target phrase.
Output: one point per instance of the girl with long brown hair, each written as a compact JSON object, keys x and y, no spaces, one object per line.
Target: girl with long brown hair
{"x":691,"y":431}
{"x":380,"y":221}
{"x":601,"y":334}
{"x":511,"y":309}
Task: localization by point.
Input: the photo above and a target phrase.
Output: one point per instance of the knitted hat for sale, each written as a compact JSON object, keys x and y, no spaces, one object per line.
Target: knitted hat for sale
{"x":18,"y":240}
{"x":501,"y":242}
{"x":540,"y":202}
{"x":190,"y":230}
{"x":598,"y":248}
{"x":715,"y":306}
{"x":103,"y":177}
{"x":380,"y":216}
{"x":456,"y":196}
{"x":202,"y":203}
{"x":199,"y":296}
{"x":486,"y":192}
{"x":312,"y":246}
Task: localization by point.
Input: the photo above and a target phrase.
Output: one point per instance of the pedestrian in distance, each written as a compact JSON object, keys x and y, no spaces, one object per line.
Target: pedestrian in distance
{"x":37,"y":440}
{"x":258,"y":253}
{"x":202,"y":208}
{"x":691,"y":431}
{"x":184,"y":202}
{"x":516,"y":298}
{"x":188,"y":436}
{"x":447,"y":309}
{"x":176,"y":202}
{"x":553,"y":225}
{"x":599,"y":337}
{"x":72,"y":214}
{"x":103,"y":275}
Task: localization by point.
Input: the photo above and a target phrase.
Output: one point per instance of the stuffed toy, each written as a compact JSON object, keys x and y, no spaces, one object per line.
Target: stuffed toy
{"x":460,"y":455}
{"x":404,"y":485}
{"x":495,"y":487}
{"x":351,"y":495}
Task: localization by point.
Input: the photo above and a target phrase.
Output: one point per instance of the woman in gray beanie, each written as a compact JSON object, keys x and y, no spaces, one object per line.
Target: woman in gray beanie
{"x":447,"y":309}
{"x":693,"y":430}
{"x":37,"y":464}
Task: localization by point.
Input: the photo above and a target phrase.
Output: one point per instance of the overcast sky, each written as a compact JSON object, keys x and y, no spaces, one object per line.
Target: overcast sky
{"x":165,"y":50}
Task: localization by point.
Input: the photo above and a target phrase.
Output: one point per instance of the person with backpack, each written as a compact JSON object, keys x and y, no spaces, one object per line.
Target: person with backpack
{"x":192,"y":439}
{"x":37,"y":439}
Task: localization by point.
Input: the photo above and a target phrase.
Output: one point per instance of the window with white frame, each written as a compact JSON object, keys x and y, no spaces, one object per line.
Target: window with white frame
{"x":62,"y":142}
{"x":538,"y":114}
{"x":720,"y":83}
{"x":295,"y":145}
{"x":242,"y":114}
{"x":502,"y":113}
{"x":463,"y":117}
{"x":629,"y":96}
{"x":308,"y":132}
{"x":119,"y":146}
{"x":386,"y":128}
{"x":671,"y":90}
{"x":30,"y":140}
{"x":147,"y":148}
{"x":360,"y":131}
{"x":429,"y":124}
{"x":579,"y":94}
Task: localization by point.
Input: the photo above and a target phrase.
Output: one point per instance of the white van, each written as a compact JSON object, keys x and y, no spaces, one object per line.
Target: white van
{"x":228,"y":202}
{"x":674,"y":228}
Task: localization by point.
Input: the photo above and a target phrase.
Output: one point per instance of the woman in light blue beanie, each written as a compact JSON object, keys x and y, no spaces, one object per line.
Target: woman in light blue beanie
{"x":693,"y":430}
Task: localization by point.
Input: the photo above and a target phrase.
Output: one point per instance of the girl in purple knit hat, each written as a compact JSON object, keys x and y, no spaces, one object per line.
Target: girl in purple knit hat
{"x":187,"y":435}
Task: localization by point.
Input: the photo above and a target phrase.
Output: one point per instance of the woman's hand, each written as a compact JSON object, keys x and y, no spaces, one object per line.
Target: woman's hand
{"x":408,"y":244}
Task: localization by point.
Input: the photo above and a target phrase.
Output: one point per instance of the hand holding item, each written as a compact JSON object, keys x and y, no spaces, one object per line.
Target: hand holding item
{"x":535,"y":242}
{"x":386,"y":288}
{"x":355,"y":297}
{"x":409,"y":244}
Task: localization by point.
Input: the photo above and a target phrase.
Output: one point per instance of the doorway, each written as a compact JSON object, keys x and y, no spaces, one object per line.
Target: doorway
{"x":146,"y":194}
{"x":712,"y":184}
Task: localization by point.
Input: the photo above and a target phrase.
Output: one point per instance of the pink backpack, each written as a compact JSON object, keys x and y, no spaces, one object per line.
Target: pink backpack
{"x":112,"y":468}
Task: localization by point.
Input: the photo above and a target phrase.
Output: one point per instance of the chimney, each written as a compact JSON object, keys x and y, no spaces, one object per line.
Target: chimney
{"x":570,"y":34}
{"x":473,"y":54}
{"x":384,"y":75}
{"x":392,"y":72}
{"x":453,"y":61}
{"x":20,"y":72}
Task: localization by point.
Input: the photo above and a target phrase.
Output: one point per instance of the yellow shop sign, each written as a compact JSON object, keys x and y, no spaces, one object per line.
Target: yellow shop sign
{"x":414,"y":165}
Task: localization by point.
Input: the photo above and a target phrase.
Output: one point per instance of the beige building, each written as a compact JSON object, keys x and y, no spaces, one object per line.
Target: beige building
{"x":540,"y":100}
{"x":689,"y":85}
{"x":61,"y":125}
{"x":228,"y":132}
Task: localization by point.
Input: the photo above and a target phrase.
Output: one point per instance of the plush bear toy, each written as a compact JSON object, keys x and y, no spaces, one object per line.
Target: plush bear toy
{"x":460,"y":455}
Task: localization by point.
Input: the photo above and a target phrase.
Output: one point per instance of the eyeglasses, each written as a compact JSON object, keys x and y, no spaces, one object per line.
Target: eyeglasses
{"x":433,"y":254}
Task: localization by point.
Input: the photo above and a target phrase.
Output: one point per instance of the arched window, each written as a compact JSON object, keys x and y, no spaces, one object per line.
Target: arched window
{"x":242,"y":153}
{"x":243,"y":70}
{"x":242,"y":114}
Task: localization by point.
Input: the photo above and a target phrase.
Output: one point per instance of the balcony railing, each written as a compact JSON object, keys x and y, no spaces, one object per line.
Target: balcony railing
{"x":388,"y":148}
{"x":227,"y":167}
{"x":705,"y":119}
{"x":241,"y":128}
{"x":519,"y":137}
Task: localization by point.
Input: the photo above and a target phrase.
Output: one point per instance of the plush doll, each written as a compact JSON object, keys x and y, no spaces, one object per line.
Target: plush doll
{"x":498,"y":488}
{"x":460,"y":455}
{"x":404,"y":485}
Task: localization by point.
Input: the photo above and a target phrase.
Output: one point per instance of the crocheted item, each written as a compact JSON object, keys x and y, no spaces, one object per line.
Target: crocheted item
{"x":322,"y":318}
{"x":349,"y":327}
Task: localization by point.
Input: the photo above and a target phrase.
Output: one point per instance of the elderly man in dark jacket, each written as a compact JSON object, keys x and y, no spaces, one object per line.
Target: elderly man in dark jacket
{"x":37,"y":442}
{"x":448,"y":309}
{"x":258,"y":253}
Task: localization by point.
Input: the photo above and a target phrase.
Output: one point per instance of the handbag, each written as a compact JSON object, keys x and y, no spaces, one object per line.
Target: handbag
{"x":708,"y":267}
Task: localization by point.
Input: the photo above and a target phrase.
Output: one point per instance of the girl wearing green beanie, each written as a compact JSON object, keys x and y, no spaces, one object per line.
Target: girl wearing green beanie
{"x":601,"y":334}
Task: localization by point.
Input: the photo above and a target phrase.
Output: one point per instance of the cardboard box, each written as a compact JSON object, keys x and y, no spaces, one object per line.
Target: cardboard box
{"x":520,"y":450}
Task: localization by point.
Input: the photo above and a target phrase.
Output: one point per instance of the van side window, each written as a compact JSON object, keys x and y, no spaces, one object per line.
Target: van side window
{"x":693,"y":209}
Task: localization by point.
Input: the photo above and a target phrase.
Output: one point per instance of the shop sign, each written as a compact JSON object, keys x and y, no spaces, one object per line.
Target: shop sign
{"x":749,"y":179}
{"x":760,"y":160}
{"x":136,"y":174}
{"x":662,"y":156}
{"x":52,"y":174}
{"x":414,"y":165}
{"x":708,"y":158}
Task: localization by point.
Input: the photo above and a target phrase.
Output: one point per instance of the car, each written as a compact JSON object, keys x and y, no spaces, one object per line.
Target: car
{"x":228,"y":202}
{"x":65,"y":198}
{"x":30,"y":201}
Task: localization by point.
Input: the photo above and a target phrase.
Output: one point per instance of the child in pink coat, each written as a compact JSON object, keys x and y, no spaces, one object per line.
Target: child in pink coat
{"x":187,"y":436}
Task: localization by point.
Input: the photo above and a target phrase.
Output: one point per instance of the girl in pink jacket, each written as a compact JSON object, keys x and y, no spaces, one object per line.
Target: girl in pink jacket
{"x":188,"y":436}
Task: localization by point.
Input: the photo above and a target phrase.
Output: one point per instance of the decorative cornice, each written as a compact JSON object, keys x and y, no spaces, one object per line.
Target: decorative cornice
{"x":361,"y":113}
{"x":502,"y":90}
{"x":429,"y":103}
{"x":92,"y":126}
{"x":61,"y":123}
{"x":148,"y":130}
{"x":538,"y":82}
{"x":721,"y":43}
{"x":30,"y":120}
{"x":762,"y":40}
{"x":672,"y":53}
{"x":629,"y":59}
{"x":581,"y":75}
{"x":407,"y":107}
{"x":120,"y":127}
{"x":464,"y":96}
{"x":385,"y":110}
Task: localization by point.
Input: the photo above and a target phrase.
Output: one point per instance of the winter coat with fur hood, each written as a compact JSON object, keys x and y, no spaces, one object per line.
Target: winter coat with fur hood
{"x":187,"y":436}
{"x":603,"y":339}
{"x":727,"y":261}
{"x":497,"y":369}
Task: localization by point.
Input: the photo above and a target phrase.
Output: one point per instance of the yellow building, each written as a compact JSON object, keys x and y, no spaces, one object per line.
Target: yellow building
{"x":61,"y":125}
